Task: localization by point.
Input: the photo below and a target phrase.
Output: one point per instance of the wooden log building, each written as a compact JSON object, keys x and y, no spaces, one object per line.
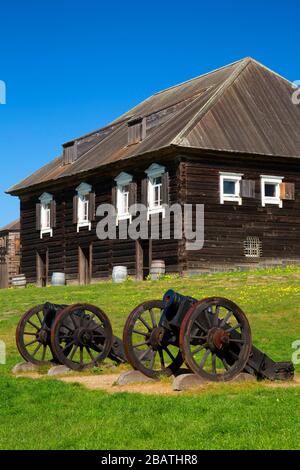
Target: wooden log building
{"x":229,"y":139}
{"x":9,"y":253}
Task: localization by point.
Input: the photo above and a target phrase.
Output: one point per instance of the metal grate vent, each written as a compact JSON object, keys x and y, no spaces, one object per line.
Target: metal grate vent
{"x":252,"y":247}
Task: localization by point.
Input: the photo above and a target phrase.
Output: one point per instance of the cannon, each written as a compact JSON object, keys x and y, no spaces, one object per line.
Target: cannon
{"x":211,"y":336}
{"x":79,"y":336}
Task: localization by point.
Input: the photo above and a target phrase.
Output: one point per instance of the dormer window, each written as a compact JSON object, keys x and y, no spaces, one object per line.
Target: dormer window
{"x":157,"y":189}
{"x":125,"y":195}
{"x":70,"y":153}
{"x":84,"y":207}
{"x":46,"y":215}
{"x":136,"y":130}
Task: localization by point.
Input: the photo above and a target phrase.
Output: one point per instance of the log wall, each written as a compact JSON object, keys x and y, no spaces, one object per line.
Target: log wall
{"x":63,"y":247}
{"x":227,"y":226}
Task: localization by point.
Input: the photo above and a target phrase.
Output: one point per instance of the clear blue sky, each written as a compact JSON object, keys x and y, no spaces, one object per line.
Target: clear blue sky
{"x":72,"y":66}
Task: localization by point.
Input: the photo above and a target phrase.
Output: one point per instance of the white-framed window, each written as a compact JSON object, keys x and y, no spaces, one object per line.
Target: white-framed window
{"x":155,"y":199}
{"x":45,"y":215}
{"x":270,"y":190}
{"x":230,"y":187}
{"x":83,"y":202}
{"x":123,"y":181}
{"x":155,"y":189}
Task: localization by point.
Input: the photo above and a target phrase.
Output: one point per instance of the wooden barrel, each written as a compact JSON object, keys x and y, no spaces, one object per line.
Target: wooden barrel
{"x":158,"y":269}
{"x":58,"y":279}
{"x":19,"y":281}
{"x":119,"y":274}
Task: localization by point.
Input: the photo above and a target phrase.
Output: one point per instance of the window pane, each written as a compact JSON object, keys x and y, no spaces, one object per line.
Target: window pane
{"x":48,"y":219}
{"x":126,"y":203}
{"x":123,"y":199}
{"x":229,"y":187}
{"x":46,"y":216}
{"x":83,"y":208}
{"x":86,"y":211}
{"x":270,"y":189}
{"x":157,"y":199}
{"x":155,"y":192}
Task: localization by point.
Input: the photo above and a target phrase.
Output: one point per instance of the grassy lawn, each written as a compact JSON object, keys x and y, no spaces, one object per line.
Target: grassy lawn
{"x":49,"y":414}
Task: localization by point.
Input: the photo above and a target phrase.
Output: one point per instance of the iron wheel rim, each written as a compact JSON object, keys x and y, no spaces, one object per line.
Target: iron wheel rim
{"x":38,"y":334}
{"x":221,"y":346}
{"x":169,"y":358}
{"x":81,"y":342}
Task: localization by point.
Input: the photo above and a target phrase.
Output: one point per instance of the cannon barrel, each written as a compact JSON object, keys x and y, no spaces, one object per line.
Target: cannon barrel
{"x":175,"y":306}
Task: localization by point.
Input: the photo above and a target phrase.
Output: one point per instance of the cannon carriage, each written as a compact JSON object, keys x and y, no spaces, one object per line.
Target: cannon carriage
{"x":212,"y":337}
{"x":78,"y":336}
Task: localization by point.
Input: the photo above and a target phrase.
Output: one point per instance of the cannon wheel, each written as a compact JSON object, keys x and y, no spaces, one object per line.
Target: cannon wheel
{"x":81,"y":336}
{"x":142,"y":342}
{"x":215,"y":339}
{"x":33,"y":337}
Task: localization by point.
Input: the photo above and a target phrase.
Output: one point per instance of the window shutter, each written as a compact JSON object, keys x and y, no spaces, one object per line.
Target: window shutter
{"x":132,"y":135}
{"x":165,"y":188}
{"x":75,"y":209}
{"x":38,"y":210}
{"x":53,"y":214}
{"x":132,"y":194}
{"x":92,"y":207}
{"x":114,"y":196}
{"x":144,"y":198}
{"x":287,"y":191}
{"x":248,"y":188}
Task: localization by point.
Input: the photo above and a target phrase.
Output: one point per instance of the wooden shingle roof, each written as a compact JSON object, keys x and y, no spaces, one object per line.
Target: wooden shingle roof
{"x":243,"y":107}
{"x":14,"y":226}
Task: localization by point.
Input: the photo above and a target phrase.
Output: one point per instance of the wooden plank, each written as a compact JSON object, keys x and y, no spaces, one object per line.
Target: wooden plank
{"x":3,"y":276}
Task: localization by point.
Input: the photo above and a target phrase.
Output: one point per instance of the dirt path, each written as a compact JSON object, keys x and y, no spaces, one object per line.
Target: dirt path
{"x":108,"y":384}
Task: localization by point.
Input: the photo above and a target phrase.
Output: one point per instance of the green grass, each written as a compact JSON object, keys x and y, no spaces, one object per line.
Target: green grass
{"x":49,"y":414}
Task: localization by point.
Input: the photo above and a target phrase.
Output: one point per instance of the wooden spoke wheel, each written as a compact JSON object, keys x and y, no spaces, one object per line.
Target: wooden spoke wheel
{"x":215,"y":339}
{"x":81,"y":336}
{"x":33,"y":337}
{"x":147,"y":345}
